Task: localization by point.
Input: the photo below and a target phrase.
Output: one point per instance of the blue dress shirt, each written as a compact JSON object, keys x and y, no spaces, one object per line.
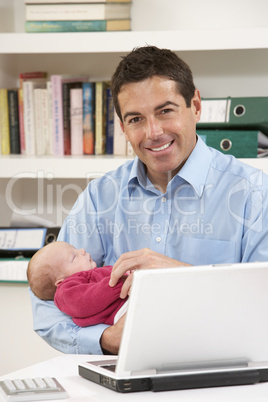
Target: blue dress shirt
{"x":215,"y":210}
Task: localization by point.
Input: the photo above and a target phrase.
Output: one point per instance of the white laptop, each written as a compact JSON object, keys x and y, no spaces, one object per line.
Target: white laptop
{"x":191,"y":327}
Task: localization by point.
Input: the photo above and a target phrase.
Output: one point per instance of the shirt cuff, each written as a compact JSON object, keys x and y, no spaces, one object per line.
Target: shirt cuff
{"x":88,"y":339}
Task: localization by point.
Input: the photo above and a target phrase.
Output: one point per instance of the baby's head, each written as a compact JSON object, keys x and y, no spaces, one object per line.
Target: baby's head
{"x":52,"y":264}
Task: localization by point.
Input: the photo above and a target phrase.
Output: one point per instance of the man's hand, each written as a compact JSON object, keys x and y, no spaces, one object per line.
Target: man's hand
{"x":140,"y":259}
{"x":111,"y":337}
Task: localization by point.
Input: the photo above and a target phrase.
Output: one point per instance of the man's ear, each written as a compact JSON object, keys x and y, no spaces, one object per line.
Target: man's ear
{"x":123,"y":129}
{"x":121,"y":125}
{"x":196,"y":104}
{"x":58,"y":282}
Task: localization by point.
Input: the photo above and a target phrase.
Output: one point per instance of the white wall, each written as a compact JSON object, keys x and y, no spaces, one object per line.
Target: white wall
{"x":19,"y":345}
{"x":197,"y":14}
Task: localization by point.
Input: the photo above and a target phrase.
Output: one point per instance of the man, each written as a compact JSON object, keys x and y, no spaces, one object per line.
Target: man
{"x":178,"y":203}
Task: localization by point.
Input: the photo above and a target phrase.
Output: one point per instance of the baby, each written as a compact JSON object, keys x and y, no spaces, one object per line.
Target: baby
{"x":69,"y":276}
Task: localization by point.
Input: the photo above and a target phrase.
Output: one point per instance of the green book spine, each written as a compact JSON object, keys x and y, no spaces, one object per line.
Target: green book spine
{"x":65,"y":26}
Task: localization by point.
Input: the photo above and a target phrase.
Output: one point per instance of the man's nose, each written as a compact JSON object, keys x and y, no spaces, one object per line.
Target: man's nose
{"x":153,"y":128}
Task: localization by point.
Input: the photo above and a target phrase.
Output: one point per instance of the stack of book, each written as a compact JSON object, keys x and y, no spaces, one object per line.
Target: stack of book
{"x":77,"y":15}
{"x":235,"y":126}
{"x":60,"y":115}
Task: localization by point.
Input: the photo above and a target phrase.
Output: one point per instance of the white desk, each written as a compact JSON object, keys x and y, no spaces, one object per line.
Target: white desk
{"x":65,"y":369}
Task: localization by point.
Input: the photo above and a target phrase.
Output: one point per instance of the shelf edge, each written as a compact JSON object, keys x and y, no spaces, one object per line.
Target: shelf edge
{"x":124,"y":41}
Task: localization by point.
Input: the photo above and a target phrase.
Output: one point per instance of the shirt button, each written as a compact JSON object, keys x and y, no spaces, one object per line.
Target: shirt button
{"x":163,"y":199}
{"x":158,"y":239}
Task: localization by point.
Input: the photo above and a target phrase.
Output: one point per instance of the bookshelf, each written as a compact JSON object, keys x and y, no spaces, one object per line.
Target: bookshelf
{"x":227,"y":57}
{"x":71,"y":167}
{"x":122,"y":42}
{"x":227,"y":49}
{"x":222,"y":60}
{"x":65,"y":167}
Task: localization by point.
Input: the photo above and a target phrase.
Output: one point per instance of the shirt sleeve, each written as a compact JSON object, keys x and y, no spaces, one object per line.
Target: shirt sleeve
{"x":60,"y":332}
{"x":255,"y":236}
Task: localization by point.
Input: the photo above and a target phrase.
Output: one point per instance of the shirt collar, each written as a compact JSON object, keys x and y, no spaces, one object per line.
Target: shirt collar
{"x":137,"y":174}
{"x":194,"y":171}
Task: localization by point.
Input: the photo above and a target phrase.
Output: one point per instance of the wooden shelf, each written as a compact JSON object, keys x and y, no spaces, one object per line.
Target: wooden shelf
{"x":65,"y":167}
{"x":74,"y":167}
{"x":121,"y":42}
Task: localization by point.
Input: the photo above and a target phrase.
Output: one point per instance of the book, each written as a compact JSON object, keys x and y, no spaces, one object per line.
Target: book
{"x":50,"y":150}
{"x":21,"y":121}
{"x":78,"y":26}
{"x":76,"y":112}
{"x":66,"y":88}
{"x":45,"y":120}
{"x":29,"y":119}
{"x":100,"y":120}
{"x":57,"y":114}
{"x":109,"y":122}
{"x":39,"y":140}
{"x":14,"y":126}
{"x":22,"y":77}
{"x":32,"y":75}
{"x":29,"y":114}
{"x":4,"y":122}
{"x":77,"y":11}
{"x":88,"y":117}
{"x":57,"y":82}
{"x":41,"y":121}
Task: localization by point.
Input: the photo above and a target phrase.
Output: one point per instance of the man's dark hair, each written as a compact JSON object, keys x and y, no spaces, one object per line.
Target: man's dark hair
{"x":148,"y":61}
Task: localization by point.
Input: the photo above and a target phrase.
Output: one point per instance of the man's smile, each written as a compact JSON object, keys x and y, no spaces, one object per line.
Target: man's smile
{"x":162,"y":147}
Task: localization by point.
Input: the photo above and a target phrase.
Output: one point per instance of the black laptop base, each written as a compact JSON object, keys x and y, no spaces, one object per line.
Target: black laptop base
{"x":124,"y":386}
{"x":177,"y":382}
{"x":220,"y":379}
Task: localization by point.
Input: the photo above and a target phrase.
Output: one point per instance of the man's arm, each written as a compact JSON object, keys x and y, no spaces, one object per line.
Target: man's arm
{"x":111,"y":337}
{"x":255,"y":237}
{"x":60,"y":332}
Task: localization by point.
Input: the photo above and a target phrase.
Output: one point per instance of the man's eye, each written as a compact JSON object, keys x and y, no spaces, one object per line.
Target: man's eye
{"x":134,"y":120}
{"x":164,"y":111}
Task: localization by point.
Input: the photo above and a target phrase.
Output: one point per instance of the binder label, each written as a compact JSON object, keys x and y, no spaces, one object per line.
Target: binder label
{"x":215,"y":111}
{"x":22,"y":239}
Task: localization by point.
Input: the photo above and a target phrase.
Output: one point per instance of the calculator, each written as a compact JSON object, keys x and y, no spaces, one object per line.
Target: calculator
{"x":32,"y":389}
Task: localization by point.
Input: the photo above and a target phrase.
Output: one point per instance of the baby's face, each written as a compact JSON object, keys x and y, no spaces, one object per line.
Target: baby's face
{"x":71,"y":260}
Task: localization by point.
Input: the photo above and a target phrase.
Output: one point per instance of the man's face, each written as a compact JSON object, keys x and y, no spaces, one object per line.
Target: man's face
{"x":159,"y":126}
